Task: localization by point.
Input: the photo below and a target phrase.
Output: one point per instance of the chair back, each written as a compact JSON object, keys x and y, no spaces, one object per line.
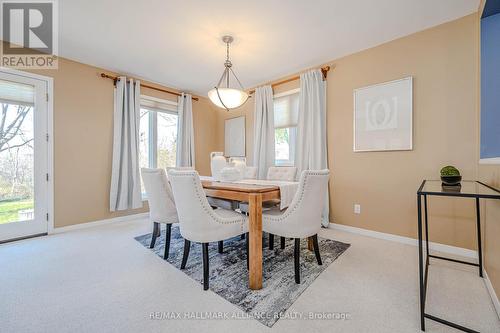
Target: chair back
{"x":160,"y":198}
{"x":303,"y":216}
{"x":250,"y":172}
{"x":178,"y":168}
{"x":282,"y":173}
{"x":197,"y":220}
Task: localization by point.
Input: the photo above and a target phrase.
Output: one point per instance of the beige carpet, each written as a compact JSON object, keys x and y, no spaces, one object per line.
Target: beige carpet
{"x":101,"y":280}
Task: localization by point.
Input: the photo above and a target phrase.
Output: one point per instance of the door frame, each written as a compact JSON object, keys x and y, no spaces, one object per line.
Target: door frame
{"x":49,"y":82}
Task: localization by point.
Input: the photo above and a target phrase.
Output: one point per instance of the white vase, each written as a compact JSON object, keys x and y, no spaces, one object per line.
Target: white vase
{"x":217,"y":163}
{"x":241,"y":166}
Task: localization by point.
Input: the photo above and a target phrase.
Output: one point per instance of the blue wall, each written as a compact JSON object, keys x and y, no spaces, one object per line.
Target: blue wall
{"x":490,"y":86}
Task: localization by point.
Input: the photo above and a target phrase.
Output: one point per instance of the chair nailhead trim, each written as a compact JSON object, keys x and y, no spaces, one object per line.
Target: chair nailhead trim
{"x":206,"y":207}
{"x":295,"y":204}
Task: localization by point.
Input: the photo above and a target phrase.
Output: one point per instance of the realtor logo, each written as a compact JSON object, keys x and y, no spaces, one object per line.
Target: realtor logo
{"x":29,"y":34}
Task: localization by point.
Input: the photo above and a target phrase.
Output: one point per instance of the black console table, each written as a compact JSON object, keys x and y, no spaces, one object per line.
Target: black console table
{"x":468,"y":189}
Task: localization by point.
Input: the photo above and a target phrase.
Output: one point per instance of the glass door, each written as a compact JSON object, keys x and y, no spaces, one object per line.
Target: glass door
{"x":23,"y":156}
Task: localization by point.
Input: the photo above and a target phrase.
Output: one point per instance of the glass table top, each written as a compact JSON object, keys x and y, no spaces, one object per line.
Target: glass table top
{"x":468,"y":188}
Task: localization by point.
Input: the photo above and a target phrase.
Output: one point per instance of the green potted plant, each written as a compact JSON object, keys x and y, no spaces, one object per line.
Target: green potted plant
{"x":450,"y":176}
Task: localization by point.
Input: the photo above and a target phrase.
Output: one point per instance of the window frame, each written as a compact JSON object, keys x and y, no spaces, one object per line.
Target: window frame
{"x":292,"y":139}
{"x":292,"y":132}
{"x":152,"y":114}
{"x":153,"y":133}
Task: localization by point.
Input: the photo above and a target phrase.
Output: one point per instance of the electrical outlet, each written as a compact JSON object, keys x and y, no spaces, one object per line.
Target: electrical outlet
{"x":357,"y":209}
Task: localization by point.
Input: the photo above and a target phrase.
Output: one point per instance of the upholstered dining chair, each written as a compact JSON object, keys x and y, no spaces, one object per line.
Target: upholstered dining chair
{"x":302,"y":219}
{"x":281,"y":173}
{"x":161,"y":204}
{"x":214,"y":202}
{"x":250,"y":172}
{"x":285,"y":173}
{"x":198,"y":221}
{"x":223,"y":203}
{"x":273,"y":173}
{"x":179,"y":168}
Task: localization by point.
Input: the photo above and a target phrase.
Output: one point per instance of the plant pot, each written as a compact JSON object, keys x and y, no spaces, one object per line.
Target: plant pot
{"x":451,"y":180}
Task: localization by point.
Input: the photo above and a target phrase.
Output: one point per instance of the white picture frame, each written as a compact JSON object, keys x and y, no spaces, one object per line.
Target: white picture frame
{"x":234,"y":137}
{"x":383,"y":116}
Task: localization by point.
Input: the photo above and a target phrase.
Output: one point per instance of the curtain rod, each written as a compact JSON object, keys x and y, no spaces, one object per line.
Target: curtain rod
{"x":324,"y":70}
{"x":115,"y":78}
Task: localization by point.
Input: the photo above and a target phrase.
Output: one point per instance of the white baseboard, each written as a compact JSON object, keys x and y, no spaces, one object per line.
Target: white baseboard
{"x":453,"y":250}
{"x":79,"y":226}
{"x":407,"y":240}
{"x":491,"y":290}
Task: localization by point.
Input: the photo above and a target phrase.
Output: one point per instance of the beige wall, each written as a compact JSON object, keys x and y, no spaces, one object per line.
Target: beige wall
{"x":442,"y":61}
{"x":83,"y":134}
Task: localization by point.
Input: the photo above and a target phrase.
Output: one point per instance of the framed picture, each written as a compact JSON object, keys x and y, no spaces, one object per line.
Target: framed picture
{"x":383,"y":116}
{"x":234,"y":137}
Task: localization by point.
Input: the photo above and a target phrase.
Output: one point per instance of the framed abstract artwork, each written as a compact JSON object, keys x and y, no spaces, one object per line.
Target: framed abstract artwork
{"x":383,"y":116}
{"x":234,"y":137}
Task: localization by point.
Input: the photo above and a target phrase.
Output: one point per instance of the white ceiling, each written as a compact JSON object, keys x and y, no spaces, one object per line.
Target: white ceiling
{"x":177,"y":42}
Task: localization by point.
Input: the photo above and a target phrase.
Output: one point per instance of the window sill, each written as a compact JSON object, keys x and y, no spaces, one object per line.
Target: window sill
{"x":492,"y":160}
{"x":284,"y":164}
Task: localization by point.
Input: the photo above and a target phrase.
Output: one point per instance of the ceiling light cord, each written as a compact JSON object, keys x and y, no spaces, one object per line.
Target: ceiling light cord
{"x":227,"y":65}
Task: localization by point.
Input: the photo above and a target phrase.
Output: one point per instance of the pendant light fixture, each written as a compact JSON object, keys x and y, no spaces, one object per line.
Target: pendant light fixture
{"x":223,"y":95}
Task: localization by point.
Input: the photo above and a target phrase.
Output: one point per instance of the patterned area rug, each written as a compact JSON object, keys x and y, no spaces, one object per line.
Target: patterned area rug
{"x":229,"y":275}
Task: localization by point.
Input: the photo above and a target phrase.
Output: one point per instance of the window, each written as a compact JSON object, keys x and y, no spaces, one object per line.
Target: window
{"x":157,"y":134}
{"x":286,"y":113}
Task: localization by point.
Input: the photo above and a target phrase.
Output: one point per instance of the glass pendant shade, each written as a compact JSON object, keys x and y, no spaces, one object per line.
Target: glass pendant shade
{"x":223,"y":95}
{"x":227,"y":98}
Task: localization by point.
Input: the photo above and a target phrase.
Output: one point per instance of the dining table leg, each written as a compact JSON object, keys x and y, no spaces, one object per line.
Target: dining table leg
{"x":255,"y":235}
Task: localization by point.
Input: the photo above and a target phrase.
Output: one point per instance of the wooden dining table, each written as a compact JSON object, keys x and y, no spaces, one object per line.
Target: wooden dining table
{"x":254,"y":195}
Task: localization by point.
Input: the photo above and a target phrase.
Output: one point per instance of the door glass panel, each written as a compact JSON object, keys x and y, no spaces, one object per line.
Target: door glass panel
{"x":16,"y":152}
{"x":167,"y":140}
